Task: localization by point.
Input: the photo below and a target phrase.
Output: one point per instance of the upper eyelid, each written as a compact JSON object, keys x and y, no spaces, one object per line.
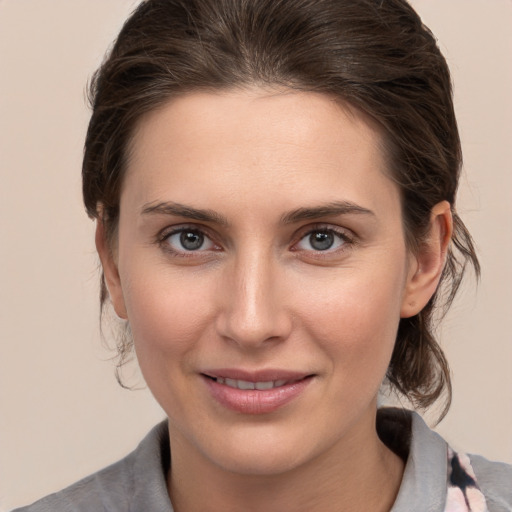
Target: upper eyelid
{"x":171,"y":230}
{"x":339,"y":230}
{"x":348,"y":236}
{"x":161,"y":240}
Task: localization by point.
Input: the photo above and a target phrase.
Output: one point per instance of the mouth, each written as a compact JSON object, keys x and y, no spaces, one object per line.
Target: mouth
{"x":259,"y":385}
{"x":256,"y":393}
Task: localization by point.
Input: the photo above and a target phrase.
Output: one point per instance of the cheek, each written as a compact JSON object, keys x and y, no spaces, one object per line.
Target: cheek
{"x":168,"y":317}
{"x":166,"y":312}
{"x":355,"y":319}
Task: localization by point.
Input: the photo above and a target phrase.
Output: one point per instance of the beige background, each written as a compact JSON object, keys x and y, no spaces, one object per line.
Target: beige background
{"x":62,"y":414}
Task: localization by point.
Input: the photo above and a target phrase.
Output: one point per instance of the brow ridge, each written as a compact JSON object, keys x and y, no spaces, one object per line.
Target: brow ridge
{"x":327,"y":210}
{"x":181,"y":210}
{"x":300,"y":214}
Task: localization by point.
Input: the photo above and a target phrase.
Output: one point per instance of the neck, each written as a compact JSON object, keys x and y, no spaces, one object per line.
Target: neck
{"x":358,"y":474}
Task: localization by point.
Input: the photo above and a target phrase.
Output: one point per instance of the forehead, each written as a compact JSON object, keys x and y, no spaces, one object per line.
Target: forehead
{"x":280,"y":146}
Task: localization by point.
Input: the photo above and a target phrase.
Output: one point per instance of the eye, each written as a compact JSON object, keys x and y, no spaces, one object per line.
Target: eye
{"x":188,"y":240}
{"x":323,"y":239}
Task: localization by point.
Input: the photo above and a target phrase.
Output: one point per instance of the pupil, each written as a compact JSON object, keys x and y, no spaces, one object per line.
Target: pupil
{"x":191,"y":241}
{"x":321,"y":241}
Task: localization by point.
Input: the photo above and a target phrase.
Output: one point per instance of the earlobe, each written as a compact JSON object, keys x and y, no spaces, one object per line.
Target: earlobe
{"x":110,"y":270}
{"x":427,"y":264}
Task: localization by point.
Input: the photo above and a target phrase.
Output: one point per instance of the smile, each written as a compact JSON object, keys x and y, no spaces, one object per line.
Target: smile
{"x":256,"y":393}
{"x":245,"y":384}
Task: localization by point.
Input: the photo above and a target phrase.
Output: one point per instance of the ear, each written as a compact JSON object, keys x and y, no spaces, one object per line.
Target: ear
{"x":110,"y":270}
{"x":426,"y":265}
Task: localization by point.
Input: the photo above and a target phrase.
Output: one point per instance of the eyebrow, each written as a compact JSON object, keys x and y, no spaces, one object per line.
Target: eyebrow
{"x":300,"y":214}
{"x":327,"y":210}
{"x":181,"y":210}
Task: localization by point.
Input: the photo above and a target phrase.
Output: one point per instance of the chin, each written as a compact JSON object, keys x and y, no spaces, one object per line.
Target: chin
{"x":260,"y":451}
{"x":259,"y":462}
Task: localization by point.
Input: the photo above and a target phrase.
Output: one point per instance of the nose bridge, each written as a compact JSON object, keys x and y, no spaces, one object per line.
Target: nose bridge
{"x":255,"y":311}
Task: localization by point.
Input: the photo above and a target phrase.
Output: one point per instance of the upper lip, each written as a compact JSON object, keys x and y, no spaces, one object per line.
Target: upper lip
{"x":256,"y":376}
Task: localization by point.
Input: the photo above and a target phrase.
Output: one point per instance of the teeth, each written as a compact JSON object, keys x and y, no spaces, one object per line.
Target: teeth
{"x":244,"y":384}
{"x":264,"y":385}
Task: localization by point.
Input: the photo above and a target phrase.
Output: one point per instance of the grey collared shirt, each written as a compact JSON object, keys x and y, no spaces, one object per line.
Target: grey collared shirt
{"x":137,"y":483}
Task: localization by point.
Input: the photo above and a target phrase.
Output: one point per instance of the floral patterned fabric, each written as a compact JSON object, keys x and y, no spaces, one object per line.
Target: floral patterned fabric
{"x":463,"y":495}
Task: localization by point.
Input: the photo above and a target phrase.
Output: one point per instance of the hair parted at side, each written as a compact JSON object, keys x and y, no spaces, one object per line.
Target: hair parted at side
{"x":375,"y":55}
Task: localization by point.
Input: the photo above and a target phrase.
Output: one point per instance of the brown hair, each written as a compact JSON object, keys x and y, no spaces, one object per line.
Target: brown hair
{"x":373,"y":54}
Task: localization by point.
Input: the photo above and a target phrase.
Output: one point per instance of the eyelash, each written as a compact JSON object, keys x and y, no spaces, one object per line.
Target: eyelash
{"x":347,"y":241}
{"x":166,"y":234}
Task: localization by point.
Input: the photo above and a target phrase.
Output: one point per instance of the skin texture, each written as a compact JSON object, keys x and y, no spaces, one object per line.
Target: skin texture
{"x":257,"y":295}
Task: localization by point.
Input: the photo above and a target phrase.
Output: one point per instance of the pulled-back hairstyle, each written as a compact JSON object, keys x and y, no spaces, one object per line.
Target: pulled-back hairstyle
{"x":375,"y":55}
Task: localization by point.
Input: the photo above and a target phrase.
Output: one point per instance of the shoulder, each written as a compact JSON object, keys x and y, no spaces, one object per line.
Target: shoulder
{"x":437,"y":478}
{"x":495,"y":482}
{"x":138,"y":478}
{"x":95,"y":492}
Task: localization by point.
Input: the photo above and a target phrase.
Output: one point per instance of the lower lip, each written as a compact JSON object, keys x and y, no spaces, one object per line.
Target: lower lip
{"x":255,"y":401}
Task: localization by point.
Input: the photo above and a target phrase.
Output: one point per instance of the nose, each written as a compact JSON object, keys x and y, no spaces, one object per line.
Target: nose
{"x":254,"y":310}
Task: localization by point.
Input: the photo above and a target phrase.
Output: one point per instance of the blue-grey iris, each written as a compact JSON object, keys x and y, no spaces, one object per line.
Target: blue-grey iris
{"x":191,"y":240}
{"x":321,"y":241}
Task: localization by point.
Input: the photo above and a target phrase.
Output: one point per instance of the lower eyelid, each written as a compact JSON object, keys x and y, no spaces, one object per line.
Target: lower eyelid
{"x":340,"y":235}
{"x":163,"y":238}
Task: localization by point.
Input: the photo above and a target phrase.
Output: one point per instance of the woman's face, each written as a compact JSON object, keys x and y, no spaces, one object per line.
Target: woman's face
{"x":261,"y":246}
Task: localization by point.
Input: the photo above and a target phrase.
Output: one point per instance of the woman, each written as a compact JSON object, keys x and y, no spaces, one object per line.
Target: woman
{"x":274,"y":187}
